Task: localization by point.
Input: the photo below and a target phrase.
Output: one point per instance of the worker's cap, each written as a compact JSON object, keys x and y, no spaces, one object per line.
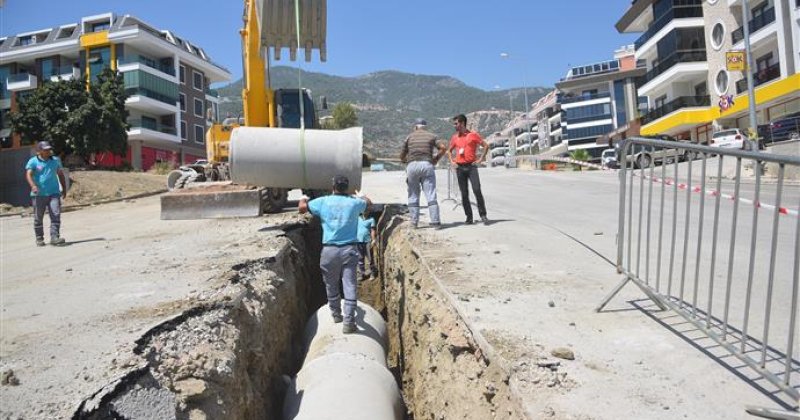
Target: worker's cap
{"x":340,"y":183}
{"x":420,"y":121}
{"x":44,"y":145}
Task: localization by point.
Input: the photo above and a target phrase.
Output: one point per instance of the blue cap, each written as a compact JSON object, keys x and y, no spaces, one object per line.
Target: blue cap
{"x":44,"y":145}
{"x":420,"y":121}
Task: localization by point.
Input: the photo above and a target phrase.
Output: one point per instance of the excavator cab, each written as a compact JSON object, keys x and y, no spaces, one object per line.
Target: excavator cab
{"x":288,"y":106}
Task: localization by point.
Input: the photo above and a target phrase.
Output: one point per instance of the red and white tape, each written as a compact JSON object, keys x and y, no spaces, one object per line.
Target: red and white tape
{"x":696,"y":189}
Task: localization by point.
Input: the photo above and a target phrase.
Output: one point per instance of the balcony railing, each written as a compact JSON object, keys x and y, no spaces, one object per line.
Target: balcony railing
{"x":763,"y":76}
{"x":19,"y":77}
{"x":755,"y":24}
{"x":674,"y":105}
{"x":170,"y":70}
{"x":152,"y":94}
{"x":555,"y":126}
{"x":152,"y":125}
{"x":677,"y":12}
{"x":680,"y":56}
{"x":581,"y":98}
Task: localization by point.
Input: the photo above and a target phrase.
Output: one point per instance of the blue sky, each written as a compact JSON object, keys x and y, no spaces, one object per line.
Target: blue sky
{"x":458,"y":38}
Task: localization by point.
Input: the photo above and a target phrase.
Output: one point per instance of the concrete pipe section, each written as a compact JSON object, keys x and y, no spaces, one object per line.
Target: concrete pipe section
{"x":344,"y":376}
{"x":294,"y":158}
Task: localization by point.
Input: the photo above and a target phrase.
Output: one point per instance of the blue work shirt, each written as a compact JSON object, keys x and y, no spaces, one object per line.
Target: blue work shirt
{"x":45,"y":175}
{"x":364,"y":228}
{"x":339,"y":215}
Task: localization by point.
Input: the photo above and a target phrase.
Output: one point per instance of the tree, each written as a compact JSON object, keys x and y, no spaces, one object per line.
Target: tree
{"x":581,"y":155}
{"x":74,"y":119}
{"x":344,"y":115}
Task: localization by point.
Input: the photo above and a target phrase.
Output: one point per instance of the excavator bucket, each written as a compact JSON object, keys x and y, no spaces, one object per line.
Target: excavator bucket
{"x":277,"y":21}
{"x":212,"y":201}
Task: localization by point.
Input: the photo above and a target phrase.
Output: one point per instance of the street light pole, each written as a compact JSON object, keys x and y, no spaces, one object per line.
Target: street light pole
{"x":751,"y":96}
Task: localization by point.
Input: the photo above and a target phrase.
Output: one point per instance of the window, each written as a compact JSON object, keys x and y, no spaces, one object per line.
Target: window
{"x":49,"y":68}
{"x":197,"y":80}
{"x":199,"y":134}
{"x":717,"y":35}
{"x":66,"y":32}
{"x":182,"y":99}
{"x":763,"y":62}
{"x":701,"y":89}
{"x":182,"y":73}
{"x":100,"y":26}
{"x":184,"y":134}
{"x":660,"y":101}
{"x":198,"y":107}
{"x":25,"y":40}
{"x":721,"y":82}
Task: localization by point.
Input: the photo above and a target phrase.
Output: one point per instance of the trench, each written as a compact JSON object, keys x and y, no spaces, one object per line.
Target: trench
{"x":233,"y":355}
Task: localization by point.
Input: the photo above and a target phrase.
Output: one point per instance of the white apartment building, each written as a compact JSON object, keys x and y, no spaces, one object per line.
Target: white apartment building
{"x":167,"y":78}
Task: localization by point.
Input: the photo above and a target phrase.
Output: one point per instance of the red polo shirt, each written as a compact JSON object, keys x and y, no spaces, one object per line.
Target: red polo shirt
{"x":465,"y":146}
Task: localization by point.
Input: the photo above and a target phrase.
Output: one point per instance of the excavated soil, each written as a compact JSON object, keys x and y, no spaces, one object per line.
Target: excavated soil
{"x":229,"y":354}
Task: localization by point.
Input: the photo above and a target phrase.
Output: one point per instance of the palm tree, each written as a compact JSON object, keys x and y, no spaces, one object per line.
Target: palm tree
{"x":581,"y":155}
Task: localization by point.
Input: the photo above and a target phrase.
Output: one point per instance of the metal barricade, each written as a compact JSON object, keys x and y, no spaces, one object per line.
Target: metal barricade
{"x":718,"y":247}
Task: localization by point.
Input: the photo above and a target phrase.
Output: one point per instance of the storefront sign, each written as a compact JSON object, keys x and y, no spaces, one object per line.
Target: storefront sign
{"x":735,"y":61}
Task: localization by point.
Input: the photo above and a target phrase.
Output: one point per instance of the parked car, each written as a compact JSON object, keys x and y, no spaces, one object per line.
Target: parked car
{"x":732,"y":138}
{"x":609,"y":158}
{"x":645,"y":156}
{"x":784,"y":128}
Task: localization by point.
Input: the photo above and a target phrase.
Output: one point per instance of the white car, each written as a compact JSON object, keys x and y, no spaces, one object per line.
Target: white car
{"x":730,"y":139}
{"x":609,"y":158}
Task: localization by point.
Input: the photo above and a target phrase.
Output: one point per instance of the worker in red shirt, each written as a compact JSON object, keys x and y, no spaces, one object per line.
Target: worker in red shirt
{"x":465,"y":143}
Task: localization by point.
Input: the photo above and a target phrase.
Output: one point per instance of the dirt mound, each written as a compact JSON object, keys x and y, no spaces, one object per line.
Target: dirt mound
{"x":89,"y":187}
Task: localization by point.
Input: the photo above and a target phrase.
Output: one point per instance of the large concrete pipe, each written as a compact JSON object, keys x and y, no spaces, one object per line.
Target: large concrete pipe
{"x":294,"y":158}
{"x":344,"y":376}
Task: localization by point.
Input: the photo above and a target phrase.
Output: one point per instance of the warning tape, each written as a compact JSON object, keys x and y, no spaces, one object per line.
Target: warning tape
{"x":667,"y":181}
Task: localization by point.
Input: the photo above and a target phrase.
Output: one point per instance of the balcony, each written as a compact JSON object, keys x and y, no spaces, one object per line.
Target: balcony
{"x":680,"y":56}
{"x":674,"y":105}
{"x":21,"y":81}
{"x":65,"y":73}
{"x":677,"y":12}
{"x":763,"y":76}
{"x":555,"y":126}
{"x":581,"y":98}
{"x":167,"y":69}
{"x":171,"y":100}
{"x":754,"y":25}
{"x":152,"y":125}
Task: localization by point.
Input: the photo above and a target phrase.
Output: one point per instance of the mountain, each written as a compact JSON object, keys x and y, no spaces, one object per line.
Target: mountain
{"x":388,"y":102}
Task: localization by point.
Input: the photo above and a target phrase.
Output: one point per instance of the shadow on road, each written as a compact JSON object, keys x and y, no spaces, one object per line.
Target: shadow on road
{"x":70,"y":243}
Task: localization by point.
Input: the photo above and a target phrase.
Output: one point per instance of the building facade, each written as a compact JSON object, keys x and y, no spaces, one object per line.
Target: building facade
{"x":168,"y":80}
{"x":597,"y":99}
{"x":684,"y":44}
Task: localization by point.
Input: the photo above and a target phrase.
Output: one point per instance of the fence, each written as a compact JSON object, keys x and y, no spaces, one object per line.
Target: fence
{"x":729,"y":267}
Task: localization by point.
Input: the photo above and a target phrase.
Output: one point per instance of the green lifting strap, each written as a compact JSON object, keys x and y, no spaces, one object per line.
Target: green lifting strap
{"x":300,"y":97}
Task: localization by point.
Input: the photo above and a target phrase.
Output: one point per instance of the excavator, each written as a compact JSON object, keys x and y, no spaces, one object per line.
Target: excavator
{"x":277,"y":146}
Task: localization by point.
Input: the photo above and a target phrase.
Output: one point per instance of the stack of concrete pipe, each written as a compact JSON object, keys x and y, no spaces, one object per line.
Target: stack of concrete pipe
{"x":344,"y":376}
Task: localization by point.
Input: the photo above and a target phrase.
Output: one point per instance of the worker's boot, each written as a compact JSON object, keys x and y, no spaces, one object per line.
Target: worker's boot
{"x":57,"y":240}
{"x":349,"y":327}
{"x":40,"y":242}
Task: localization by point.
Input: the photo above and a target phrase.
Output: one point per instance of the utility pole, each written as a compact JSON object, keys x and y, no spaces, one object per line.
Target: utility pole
{"x":751,"y":95}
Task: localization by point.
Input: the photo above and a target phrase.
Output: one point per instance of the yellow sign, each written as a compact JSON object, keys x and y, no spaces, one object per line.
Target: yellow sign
{"x":735,"y":61}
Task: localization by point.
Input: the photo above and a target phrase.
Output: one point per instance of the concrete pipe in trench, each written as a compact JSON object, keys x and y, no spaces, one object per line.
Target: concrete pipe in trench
{"x":344,"y":375}
{"x":294,"y":158}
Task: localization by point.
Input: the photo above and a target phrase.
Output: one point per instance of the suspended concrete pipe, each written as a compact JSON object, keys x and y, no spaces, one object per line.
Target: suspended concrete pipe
{"x":344,"y":376}
{"x":294,"y":158}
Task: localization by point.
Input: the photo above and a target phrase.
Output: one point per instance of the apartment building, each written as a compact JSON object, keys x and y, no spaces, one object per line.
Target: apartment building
{"x":598,"y":99}
{"x":690,"y":93}
{"x":168,"y":79}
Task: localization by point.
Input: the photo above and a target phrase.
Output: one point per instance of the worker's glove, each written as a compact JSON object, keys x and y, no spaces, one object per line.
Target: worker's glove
{"x":305,"y":197}
{"x":360,"y":195}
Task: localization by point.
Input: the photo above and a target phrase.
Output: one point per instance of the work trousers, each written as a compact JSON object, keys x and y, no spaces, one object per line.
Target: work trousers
{"x":339,"y":263}
{"x":364,"y":253}
{"x":469,"y":173}
{"x":422,"y":173}
{"x":51,"y":204}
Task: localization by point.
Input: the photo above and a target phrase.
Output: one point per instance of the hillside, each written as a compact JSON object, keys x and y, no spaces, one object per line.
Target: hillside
{"x":388,"y":102}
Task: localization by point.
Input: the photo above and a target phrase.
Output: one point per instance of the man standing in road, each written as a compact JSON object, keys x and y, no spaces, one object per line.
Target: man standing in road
{"x":339,"y":214}
{"x":422,"y":151}
{"x":465,"y":143}
{"x":44,"y":175}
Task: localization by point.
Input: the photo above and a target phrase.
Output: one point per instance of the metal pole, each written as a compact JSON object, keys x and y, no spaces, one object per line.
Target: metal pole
{"x":749,"y":70}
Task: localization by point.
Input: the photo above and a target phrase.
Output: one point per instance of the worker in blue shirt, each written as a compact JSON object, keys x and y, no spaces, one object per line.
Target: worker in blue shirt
{"x":366,"y":237}
{"x":339,"y":216}
{"x":48,"y":185}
